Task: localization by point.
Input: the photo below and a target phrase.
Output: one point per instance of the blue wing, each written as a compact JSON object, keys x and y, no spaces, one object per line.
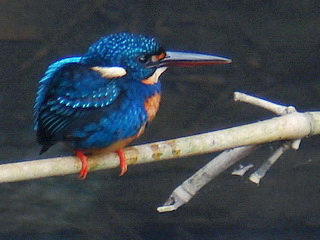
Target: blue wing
{"x":44,"y":84}
{"x":67,"y":92}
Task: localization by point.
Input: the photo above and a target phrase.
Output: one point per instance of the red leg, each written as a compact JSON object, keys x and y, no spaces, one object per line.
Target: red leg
{"x":123,"y":164}
{"x":84,"y":160}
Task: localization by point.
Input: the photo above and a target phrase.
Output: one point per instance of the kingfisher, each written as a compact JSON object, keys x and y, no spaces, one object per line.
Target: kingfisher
{"x":104,"y":99}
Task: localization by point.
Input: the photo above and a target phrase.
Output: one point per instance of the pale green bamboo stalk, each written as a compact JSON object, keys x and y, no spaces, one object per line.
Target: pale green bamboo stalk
{"x":290,"y":126}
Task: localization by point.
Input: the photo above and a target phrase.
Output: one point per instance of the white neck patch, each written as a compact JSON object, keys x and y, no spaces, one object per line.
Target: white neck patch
{"x":155,"y":76}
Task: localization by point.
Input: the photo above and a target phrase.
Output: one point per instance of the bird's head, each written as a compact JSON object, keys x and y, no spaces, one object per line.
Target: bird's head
{"x":139,"y":57}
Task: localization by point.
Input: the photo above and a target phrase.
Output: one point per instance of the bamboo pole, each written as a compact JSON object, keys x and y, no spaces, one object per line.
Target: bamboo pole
{"x":291,"y":126}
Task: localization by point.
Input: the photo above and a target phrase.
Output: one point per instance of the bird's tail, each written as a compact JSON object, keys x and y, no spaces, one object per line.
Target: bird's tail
{"x":45,"y":148}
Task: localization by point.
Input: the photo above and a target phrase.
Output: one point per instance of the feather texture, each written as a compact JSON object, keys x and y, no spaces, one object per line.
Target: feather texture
{"x":69,"y":91}
{"x":98,"y":99}
{"x":45,"y":82}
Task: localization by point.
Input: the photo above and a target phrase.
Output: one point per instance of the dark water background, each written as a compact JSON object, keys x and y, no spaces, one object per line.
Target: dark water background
{"x":275,"y":50}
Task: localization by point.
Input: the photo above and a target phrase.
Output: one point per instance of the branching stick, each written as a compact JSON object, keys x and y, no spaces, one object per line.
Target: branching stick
{"x":184,"y":192}
{"x":291,"y":126}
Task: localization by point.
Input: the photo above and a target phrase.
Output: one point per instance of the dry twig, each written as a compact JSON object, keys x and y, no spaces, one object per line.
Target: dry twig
{"x":184,"y":192}
{"x":261,"y":172}
{"x":291,"y":126}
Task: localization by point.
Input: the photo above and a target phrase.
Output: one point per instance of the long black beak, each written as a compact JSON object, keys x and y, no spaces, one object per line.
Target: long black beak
{"x":188,"y":59}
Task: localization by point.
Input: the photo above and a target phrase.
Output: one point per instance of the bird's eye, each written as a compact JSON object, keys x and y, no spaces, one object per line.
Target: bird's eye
{"x":143,"y":59}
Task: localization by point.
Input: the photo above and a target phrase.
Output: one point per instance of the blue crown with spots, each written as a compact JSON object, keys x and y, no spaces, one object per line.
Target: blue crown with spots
{"x":116,"y":49}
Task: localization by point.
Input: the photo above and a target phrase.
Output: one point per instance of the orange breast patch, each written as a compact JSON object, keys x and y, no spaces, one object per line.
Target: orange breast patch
{"x":151,"y":106}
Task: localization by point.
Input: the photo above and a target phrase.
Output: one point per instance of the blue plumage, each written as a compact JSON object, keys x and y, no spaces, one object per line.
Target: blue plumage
{"x":105,"y":98}
{"x":75,"y":104}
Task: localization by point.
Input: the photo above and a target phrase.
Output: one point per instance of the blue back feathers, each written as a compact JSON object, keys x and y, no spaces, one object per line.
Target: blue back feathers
{"x":45,"y":82}
{"x":75,"y":103}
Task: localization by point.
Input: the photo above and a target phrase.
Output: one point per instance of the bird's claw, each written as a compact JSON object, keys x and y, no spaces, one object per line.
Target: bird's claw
{"x":83,"y":173}
{"x":123,"y":164}
{"x":123,"y":170}
{"x":84,"y":160}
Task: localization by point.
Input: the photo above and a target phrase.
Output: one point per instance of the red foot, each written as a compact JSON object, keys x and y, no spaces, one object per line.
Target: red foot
{"x":123,"y":164}
{"x":84,"y":160}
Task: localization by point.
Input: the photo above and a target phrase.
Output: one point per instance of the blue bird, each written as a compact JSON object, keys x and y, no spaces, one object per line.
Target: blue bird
{"x":103,"y":100}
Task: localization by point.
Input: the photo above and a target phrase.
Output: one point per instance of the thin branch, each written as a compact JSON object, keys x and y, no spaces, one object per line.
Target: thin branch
{"x":242,"y":170}
{"x":273,"y":107}
{"x":280,"y":110}
{"x":183,"y":193}
{"x":191,"y":186}
{"x":263,"y":169}
{"x":291,"y":126}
